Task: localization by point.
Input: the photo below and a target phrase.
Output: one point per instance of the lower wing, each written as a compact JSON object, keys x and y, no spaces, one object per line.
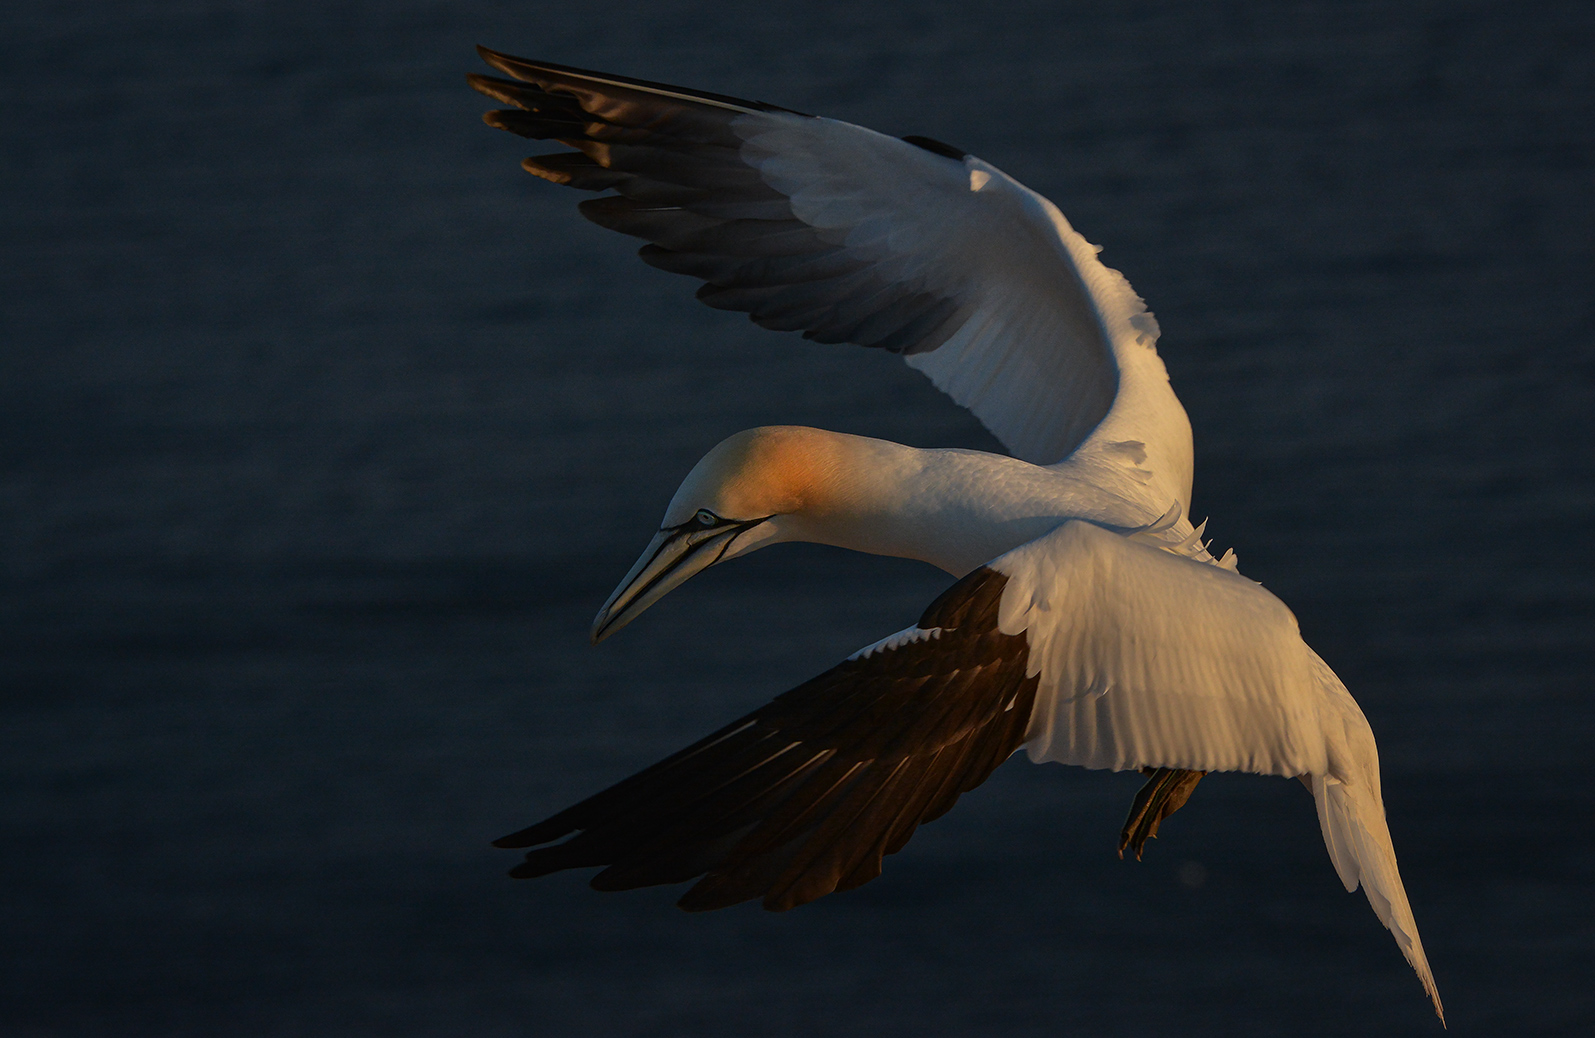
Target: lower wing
{"x":805,"y":795}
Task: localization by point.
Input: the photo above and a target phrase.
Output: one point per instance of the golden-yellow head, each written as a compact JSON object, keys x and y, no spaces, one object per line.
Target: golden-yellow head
{"x":730,"y":503}
{"x":771,"y":470}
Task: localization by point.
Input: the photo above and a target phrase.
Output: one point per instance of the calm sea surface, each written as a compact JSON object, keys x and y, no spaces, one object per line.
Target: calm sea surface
{"x":324,"y":430}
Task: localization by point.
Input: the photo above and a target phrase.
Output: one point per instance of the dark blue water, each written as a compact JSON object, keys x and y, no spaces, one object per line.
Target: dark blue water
{"x":324,"y":430}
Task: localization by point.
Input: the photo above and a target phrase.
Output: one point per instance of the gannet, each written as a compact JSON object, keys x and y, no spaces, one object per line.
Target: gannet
{"x":1089,"y":625}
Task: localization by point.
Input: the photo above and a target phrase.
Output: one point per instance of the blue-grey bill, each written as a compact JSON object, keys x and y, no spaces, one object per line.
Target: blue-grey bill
{"x":671,"y":559}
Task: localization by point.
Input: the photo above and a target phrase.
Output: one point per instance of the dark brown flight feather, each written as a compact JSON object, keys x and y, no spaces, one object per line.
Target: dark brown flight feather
{"x":807,"y":794}
{"x":681,"y":183}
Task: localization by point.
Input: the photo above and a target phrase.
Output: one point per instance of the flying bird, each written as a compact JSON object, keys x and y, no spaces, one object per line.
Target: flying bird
{"x":1089,"y":624}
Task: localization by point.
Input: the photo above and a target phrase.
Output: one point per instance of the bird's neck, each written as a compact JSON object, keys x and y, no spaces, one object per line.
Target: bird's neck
{"x":955,"y":509}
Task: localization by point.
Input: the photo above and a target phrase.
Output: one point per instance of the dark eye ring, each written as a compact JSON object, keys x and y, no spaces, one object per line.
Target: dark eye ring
{"x":706,"y":517}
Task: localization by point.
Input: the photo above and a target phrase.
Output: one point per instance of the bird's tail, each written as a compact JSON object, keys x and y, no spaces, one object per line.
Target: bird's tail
{"x":1353,"y":820}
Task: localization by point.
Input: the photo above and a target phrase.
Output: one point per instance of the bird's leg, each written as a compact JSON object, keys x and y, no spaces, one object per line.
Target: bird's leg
{"x":1164,"y":793}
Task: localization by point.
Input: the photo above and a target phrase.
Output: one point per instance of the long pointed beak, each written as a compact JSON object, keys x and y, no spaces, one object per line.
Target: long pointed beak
{"x":672,"y":558}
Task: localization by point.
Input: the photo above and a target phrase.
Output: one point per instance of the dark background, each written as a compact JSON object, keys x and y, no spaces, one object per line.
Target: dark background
{"x":326,"y":430}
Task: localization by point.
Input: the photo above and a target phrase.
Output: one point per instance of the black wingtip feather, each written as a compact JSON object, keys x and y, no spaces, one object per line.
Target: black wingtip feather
{"x":685,"y":186}
{"x":546,"y":831}
{"x":533,"y":71}
{"x":807,"y":795}
{"x":573,"y":169}
{"x":492,"y":86}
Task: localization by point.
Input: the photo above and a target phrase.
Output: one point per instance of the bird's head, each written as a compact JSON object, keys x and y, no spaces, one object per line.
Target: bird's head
{"x":755,"y":488}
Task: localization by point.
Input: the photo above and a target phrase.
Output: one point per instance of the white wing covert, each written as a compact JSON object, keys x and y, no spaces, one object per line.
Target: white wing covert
{"x":848,"y":235}
{"x":1147,"y":658}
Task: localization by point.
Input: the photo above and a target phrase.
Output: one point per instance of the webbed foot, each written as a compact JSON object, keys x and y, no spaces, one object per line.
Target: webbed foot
{"x":1164,"y":793}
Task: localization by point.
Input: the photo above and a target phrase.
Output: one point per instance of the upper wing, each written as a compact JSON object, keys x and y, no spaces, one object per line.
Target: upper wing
{"x":853,"y":236}
{"x":805,"y":795}
{"x":1146,"y":658}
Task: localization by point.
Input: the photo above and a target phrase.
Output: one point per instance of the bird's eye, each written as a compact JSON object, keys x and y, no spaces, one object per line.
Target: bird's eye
{"x":706,"y":517}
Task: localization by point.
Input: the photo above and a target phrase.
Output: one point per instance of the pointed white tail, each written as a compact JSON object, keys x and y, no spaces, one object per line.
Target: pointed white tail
{"x":1353,"y":822}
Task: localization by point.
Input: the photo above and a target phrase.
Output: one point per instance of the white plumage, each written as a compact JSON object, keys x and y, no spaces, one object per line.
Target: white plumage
{"x":1090,"y":625}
